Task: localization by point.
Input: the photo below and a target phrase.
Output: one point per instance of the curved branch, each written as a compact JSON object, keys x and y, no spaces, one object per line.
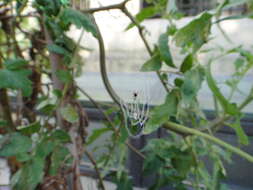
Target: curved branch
{"x":106,"y":8}
{"x":102,"y":59}
{"x":94,"y":163}
{"x":140,"y":30}
{"x":183,"y":129}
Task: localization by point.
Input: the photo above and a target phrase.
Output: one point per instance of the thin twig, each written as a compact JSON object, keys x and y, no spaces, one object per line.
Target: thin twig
{"x":110,"y":121}
{"x":106,"y":8}
{"x":217,"y":123}
{"x":140,"y":30}
{"x":19,"y":16}
{"x":93,"y":161}
{"x":135,"y":150}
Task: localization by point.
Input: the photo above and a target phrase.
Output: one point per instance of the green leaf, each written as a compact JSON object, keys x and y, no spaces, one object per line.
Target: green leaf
{"x":15,"y":64}
{"x":69,"y":114}
{"x":3,"y":123}
{"x":61,"y":136}
{"x":222,"y":153}
{"x":239,"y":62}
{"x":183,"y":162}
{"x":17,"y":80}
{"x":161,"y":113}
{"x":154,"y":64}
{"x":124,"y":134}
{"x":80,"y":20}
{"x":243,"y":138}
{"x":15,"y":144}
{"x":23,"y":157}
{"x":96,"y":133}
{"x":65,"y":2}
{"x":57,"y":159}
{"x":192,"y":84}
{"x":29,"y":176}
{"x":64,"y":76}
{"x":227,"y":106}
{"x":54,"y":48}
{"x":145,"y":13}
{"x":187,"y":63}
{"x":244,"y":53}
{"x":178,"y":82}
{"x":164,"y":50}
{"x":124,"y":182}
{"x":44,"y":148}
{"x":50,"y":7}
{"x":30,"y":129}
{"x":194,"y":34}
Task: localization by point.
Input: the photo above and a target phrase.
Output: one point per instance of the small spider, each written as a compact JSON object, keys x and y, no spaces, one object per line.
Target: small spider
{"x":135,"y":95}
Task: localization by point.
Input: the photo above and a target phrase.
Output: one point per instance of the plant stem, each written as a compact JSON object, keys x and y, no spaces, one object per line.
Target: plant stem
{"x":93,"y":161}
{"x":5,"y":104}
{"x":140,"y":30}
{"x":219,"y":121}
{"x":102,"y":62}
{"x":106,"y":8}
{"x":110,"y":122}
{"x":183,"y":129}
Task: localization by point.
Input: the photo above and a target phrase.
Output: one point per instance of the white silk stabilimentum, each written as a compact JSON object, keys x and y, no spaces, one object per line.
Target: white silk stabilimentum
{"x":136,"y":112}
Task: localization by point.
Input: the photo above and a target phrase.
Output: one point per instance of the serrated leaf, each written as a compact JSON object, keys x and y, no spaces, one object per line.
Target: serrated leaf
{"x":187,"y":63}
{"x":96,"y":133}
{"x":15,"y":144}
{"x":54,"y":48}
{"x":69,"y":114}
{"x":23,"y":157}
{"x":29,"y":176}
{"x":165,"y":50}
{"x":17,"y":80}
{"x":50,"y":7}
{"x":29,"y":129}
{"x":183,"y":162}
{"x":57,"y":159}
{"x":44,"y":148}
{"x":64,"y":76}
{"x":153,"y":64}
{"x":161,"y":114}
{"x":226,"y":105}
{"x":80,"y":20}
{"x":240,"y":133}
{"x":194,"y":34}
{"x":65,"y":2}
{"x":145,"y":13}
{"x":15,"y":64}
{"x":192,"y":84}
{"x":61,"y":136}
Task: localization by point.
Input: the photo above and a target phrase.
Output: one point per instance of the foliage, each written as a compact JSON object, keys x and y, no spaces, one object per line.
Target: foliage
{"x":15,"y":76}
{"x":44,"y":136}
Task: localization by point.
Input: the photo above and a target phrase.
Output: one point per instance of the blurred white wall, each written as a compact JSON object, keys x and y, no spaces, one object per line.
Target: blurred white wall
{"x":126,"y":51}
